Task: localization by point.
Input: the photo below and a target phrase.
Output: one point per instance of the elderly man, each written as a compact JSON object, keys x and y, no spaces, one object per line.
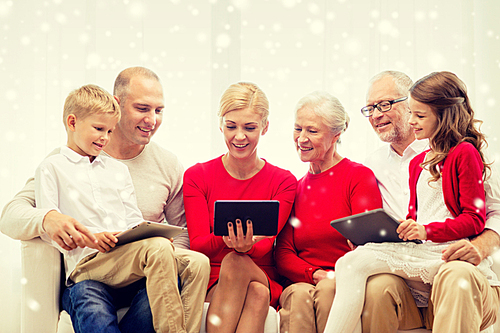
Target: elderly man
{"x":157,"y":177}
{"x":389,"y":304}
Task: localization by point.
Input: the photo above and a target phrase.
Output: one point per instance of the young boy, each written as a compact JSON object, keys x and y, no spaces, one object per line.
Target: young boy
{"x":98,"y":192}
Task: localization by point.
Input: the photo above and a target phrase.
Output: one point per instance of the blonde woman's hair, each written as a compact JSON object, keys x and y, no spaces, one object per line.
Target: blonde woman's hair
{"x":244,"y":95}
{"x":89,"y":100}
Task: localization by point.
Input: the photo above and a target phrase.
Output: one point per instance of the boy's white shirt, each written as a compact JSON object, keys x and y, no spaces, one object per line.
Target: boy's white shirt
{"x":100,"y":195}
{"x":392,"y":173}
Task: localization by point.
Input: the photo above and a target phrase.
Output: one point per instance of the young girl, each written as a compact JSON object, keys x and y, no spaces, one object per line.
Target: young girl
{"x":446,"y":188}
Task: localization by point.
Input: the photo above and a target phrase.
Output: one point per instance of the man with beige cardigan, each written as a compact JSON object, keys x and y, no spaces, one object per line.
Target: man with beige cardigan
{"x":157,"y":177}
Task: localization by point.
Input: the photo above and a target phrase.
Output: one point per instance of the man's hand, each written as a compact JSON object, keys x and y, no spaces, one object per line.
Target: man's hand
{"x":462,"y":250}
{"x":410,"y":230}
{"x":473,"y":251}
{"x":67,"y":232}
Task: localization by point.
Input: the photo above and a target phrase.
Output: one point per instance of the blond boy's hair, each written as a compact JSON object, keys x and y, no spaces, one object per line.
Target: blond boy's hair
{"x":89,"y":100}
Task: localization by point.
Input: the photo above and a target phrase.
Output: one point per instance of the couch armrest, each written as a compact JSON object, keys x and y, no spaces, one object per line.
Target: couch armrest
{"x":41,"y":286}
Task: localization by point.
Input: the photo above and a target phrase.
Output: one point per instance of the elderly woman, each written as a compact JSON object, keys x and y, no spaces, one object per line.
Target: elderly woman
{"x":243,"y":274}
{"x":334,"y":187}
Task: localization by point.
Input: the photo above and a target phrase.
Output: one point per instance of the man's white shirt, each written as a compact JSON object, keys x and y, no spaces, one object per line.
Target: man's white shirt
{"x":393,"y":175}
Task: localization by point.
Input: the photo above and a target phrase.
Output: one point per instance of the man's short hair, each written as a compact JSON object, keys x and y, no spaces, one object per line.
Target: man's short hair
{"x":88,"y":100}
{"x":122,"y":82}
{"x":401,"y":80}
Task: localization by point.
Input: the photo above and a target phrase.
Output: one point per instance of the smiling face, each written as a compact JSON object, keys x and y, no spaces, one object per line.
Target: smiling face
{"x":89,"y":136}
{"x":423,"y":120}
{"x":242,"y":130}
{"x":391,"y":126}
{"x":314,"y":141}
{"x":141,"y":111}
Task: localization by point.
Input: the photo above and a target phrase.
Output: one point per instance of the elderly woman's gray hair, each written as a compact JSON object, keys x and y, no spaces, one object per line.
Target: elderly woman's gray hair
{"x":327,"y":107}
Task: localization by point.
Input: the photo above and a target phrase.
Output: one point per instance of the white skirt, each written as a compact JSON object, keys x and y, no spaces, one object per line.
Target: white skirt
{"x":423,"y":262}
{"x":415,"y":260}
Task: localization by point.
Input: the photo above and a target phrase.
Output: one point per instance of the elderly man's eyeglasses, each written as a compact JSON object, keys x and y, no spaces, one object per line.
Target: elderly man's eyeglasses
{"x":383,"y":106}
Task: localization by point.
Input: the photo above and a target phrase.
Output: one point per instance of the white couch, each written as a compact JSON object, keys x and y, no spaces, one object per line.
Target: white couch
{"x":41,"y":286}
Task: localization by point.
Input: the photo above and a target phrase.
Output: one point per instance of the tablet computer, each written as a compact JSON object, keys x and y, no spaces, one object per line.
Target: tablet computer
{"x":148,"y":229}
{"x":375,"y":226}
{"x":264,"y":215}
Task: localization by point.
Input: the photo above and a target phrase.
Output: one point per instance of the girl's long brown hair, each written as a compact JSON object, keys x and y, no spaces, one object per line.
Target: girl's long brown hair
{"x":447,"y":96}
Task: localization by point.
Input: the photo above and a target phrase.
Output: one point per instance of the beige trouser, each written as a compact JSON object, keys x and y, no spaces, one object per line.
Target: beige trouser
{"x":305,"y":307}
{"x":194,"y":272}
{"x":152,"y":258}
{"x":462,"y":301}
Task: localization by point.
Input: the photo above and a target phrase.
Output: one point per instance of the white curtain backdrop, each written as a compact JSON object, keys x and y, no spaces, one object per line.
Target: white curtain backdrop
{"x":198,"y":47}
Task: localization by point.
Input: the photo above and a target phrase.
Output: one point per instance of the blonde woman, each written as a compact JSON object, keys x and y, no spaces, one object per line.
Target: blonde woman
{"x":243,"y":275}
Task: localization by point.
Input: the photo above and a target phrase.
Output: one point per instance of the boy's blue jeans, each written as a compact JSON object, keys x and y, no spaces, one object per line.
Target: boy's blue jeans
{"x":92,"y":306}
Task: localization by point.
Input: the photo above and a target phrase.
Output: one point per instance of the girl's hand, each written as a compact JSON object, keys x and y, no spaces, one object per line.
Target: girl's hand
{"x":409,"y":230}
{"x":240,"y":242}
{"x":106,"y":240}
